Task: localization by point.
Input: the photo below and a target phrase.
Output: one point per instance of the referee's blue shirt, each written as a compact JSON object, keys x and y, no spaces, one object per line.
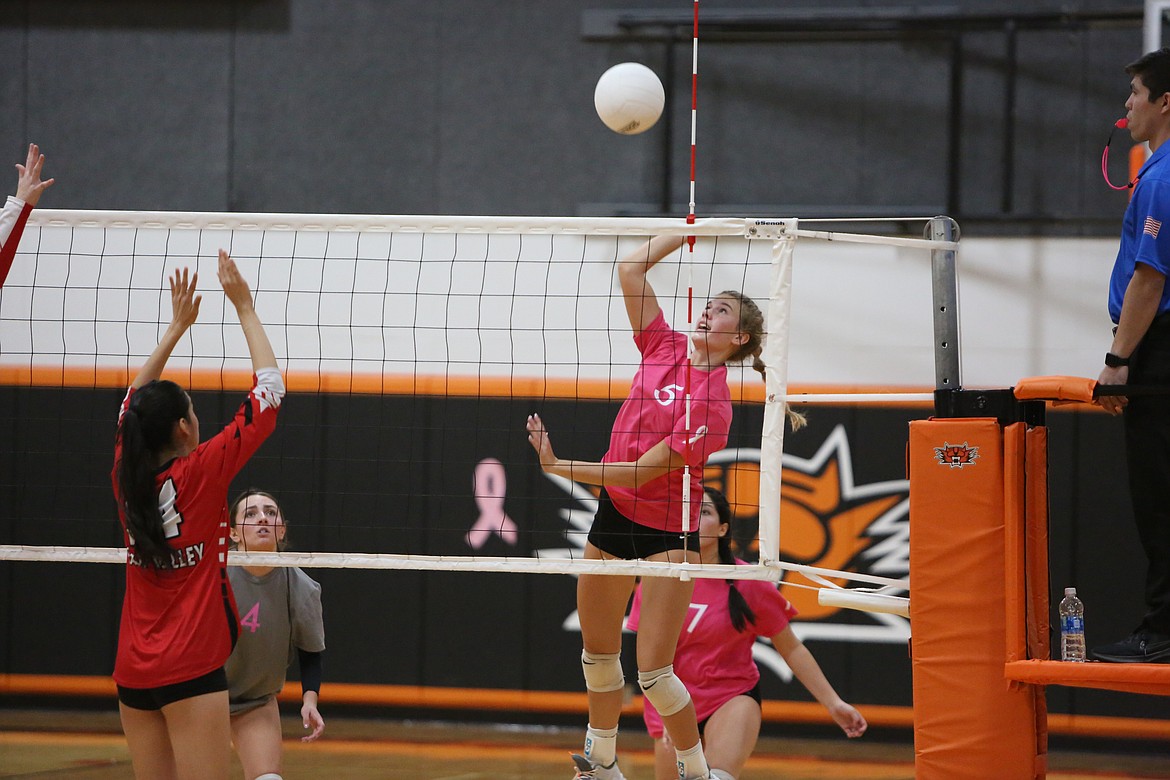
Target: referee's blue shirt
{"x":1144,"y":236}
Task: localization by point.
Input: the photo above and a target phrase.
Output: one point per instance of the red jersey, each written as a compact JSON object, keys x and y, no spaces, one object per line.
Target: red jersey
{"x":714,"y":660}
{"x":655,"y":410}
{"x":181,"y":623}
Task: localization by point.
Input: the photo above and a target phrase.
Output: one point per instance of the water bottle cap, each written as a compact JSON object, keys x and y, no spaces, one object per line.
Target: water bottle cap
{"x":1070,"y":591}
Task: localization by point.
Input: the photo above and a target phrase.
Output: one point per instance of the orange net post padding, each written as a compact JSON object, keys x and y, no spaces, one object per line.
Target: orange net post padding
{"x":1060,"y":389}
{"x":1131,"y":678}
{"x":1027,"y":579}
{"x":969,"y":722}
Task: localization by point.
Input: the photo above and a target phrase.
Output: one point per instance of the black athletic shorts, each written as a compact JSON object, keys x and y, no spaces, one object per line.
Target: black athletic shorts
{"x":157,"y":698}
{"x":616,"y":534}
{"x":754,"y":693}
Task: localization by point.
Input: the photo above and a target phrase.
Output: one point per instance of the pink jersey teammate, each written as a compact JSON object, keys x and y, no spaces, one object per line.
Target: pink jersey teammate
{"x":641,"y":512}
{"x":714,"y":657}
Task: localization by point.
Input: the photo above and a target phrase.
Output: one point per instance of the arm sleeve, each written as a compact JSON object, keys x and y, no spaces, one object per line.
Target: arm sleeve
{"x":310,"y":670}
{"x":13,"y":217}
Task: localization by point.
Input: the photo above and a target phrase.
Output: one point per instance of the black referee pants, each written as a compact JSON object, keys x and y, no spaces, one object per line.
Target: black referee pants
{"x":1147,"y":440}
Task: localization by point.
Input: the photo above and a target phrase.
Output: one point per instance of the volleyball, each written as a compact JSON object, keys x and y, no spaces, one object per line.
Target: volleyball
{"x":629,"y":98}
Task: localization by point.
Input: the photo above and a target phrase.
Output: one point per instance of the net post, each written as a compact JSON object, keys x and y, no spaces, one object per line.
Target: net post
{"x":775,"y":358}
{"x":1153,"y":23}
{"x":945,"y":288}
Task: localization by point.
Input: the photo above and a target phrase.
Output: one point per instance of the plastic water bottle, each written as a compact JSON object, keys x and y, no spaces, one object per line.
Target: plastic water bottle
{"x":1072,"y":627}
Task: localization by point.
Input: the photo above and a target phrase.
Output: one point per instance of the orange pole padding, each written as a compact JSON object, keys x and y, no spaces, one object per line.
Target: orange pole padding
{"x":1061,"y":389}
{"x":1035,"y":466}
{"x":1130,"y":678}
{"x":1015,"y":521}
{"x":968,"y":722}
{"x":1036,"y":543}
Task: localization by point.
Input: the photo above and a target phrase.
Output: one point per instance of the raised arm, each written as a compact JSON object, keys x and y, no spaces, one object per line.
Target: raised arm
{"x":808,"y":671}
{"x":641,"y":303}
{"x":16,"y":209}
{"x":28,"y":184}
{"x":184,"y":310}
{"x":236,"y":289}
{"x":657,"y":461}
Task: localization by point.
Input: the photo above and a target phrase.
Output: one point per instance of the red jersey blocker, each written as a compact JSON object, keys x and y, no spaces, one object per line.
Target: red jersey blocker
{"x":181,"y":623}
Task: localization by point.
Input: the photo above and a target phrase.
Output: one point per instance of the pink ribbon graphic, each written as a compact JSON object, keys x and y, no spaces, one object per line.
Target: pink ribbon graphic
{"x":488,"y":485}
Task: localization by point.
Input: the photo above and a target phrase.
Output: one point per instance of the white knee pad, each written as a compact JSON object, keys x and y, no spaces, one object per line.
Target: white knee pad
{"x":719,"y":774}
{"x":270,"y":776}
{"x":603,"y":671}
{"x":664,"y":690}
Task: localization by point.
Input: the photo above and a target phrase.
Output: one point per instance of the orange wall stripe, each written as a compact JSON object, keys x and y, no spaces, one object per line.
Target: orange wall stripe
{"x":397,"y":384}
{"x":423,"y":697}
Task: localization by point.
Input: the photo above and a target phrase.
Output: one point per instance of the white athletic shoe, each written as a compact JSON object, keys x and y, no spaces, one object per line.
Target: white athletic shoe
{"x":587,"y":770}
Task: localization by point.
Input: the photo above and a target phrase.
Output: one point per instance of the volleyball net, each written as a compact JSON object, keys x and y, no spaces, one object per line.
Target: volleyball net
{"x":413,"y":349}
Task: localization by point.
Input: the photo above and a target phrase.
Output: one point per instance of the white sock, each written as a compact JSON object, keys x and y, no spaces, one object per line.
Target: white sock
{"x":601,"y":745}
{"x":719,"y":774}
{"x":691,"y":762}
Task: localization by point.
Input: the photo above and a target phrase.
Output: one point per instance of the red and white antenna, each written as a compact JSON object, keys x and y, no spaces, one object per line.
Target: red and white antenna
{"x":686,"y":491}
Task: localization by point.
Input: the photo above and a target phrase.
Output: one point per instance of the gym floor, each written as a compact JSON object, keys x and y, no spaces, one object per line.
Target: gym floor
{"x":89,"y":746}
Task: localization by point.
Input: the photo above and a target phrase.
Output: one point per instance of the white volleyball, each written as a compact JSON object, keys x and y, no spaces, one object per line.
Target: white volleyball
{"x":629,"y":98}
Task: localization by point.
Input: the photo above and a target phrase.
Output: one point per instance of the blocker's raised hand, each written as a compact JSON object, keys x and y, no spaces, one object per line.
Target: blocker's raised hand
{"x":29,"y":185}
{"x":184,"y":301}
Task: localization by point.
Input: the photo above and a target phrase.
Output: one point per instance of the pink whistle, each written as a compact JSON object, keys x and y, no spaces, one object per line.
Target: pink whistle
{"x":1121,"y":124}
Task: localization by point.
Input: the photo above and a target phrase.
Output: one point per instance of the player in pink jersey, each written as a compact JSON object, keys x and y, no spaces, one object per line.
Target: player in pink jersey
{"x":179,"y":619}
{"x":714,"y":657}
{"x":641,"y":514}
{"x":16,"y":209}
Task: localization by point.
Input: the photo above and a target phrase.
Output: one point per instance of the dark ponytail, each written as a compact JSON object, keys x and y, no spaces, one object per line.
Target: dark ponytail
{"x":146,"y":429}
{"x":737,"y":606}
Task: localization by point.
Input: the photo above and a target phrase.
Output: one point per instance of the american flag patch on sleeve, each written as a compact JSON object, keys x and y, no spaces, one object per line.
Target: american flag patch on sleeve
{"x":1152,"y":227}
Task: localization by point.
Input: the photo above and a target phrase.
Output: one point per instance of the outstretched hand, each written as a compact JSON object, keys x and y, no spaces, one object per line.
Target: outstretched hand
{"x":234,"y":286}
{"x":849,"y":719}
{"x":538,"y":438}
{"x":29,"y":185}
{"x":184,"y":301}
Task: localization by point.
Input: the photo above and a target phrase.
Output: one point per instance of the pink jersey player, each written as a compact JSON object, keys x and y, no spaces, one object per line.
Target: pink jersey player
{"x":714,"y":657}
{"x":641,"y":511}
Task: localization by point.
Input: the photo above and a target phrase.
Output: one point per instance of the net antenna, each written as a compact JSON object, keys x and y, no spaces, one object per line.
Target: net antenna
{"x":395,"y":306}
